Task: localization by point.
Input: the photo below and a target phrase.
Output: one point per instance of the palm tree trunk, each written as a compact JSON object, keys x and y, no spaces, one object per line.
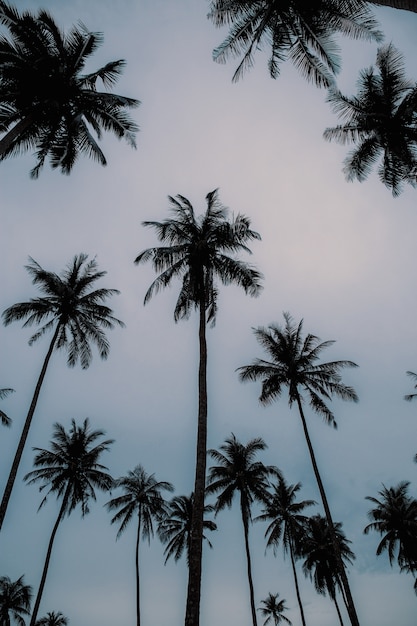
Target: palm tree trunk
{"x":297,"y":588}
{"x":249,"y":564}
{"x":47,"y":559}
{"x":342,"y":573}
{"x":407,"y":5}
{"x":14,"y":133}
{"x":25,"y":431}
{"x":192,"y":611}
{"x":137,"y":571}
{"x":338,"y":611}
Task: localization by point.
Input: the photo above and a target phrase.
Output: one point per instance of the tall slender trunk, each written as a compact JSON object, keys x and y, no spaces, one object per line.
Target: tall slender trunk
{"x":249,"y":564}
{"x":25,"y":431}
{"x":192,"y":611}
{"x":297,"y":588}
{"x":137,"y":570}
{"x":47,"y":559}
{"x":14,"y":133}
{"x":342,"y":572}
{"x":338,"y":610}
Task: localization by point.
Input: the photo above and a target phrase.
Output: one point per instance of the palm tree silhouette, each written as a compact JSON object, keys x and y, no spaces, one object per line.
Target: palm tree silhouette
{"x":15,"y":598}
{"x":273,"y":609}
{"x":320,"y":562}
{"x":46,"y":101}
{"x":293,"y":364}
{"x":53,"y":619}
{"x":286,"y":525}
{"x":411,"y":396}
{"x":302,"y":32}
{"x":238,"y":472}
{"x":175,"y":528}
{"x":76,"y":314}
{"x":71,"y":470}
{"x":198,"y":250}
{"x":394,"y":517}
{"x":142,"y":499}
{"x":381,"y":120}
{"x":5,"y":419}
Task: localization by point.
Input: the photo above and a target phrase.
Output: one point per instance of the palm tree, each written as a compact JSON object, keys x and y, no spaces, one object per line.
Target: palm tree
{"x":175,"y":528}
{"x":317,"y":546}
{"x":4,"y":419}
{"x":293,"y":364}
{"x":273,"y":609}
{"x":287,"y":524}
{"x":141,"y":498}
{"x":411,"y":396}
{"x":395,"y":518}
{"x":299,"y":31}
{"x":238,"y":472}
{"x":72,"y":471}
{"x":76,"y":315}
{"x":381,"y":120}
{"x":47,"y":103}
{"x":15,"y":599}
{"x":198,"y":251}
{"x":53,"y":619}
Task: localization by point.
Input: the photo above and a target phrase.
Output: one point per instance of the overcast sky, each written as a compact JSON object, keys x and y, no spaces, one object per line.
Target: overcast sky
{"x":340,"y":255}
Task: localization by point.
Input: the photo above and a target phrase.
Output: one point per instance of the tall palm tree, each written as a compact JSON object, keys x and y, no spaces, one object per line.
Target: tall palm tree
{"x":303,"y":32}
{"x":15,"y":598}
{"x":286,"y":525}
{"x":293,"y":364}
{"x":394,"y":517}
{"x":76,"y":314}
{"x":141,"y":499}
{"x":71,"y":470}
{"x":320,"y":562}
{"x":238,"y":472}
{"x":381,"y":120}
{"x":47,"y":102}
{"x":199,"y":251}
{"x":53,"y":619}
{"x":175,"y":528}
{"x":273,"y":609}
{"x":5,"y":419}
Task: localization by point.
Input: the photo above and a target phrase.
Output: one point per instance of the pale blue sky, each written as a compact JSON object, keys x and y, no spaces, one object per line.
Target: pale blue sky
{"x":341,"y":255}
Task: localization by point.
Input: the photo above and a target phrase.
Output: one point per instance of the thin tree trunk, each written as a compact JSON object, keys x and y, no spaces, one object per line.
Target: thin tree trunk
{"x":137,"y":571}
{"x":25,"y":431}
{"x":14,"y":133}
{"x":297,"y":588}
{"x":338,"y":610}
{"x":47,"y":559}
{"x":342,"y":572}
{"x":407,"y":5}
{"x":249,"y":566}
{"x":192,"y":611}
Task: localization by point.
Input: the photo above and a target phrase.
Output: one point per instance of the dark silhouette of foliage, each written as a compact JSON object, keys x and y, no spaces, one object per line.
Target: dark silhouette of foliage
{"x":273,"y":610}
{"x":15,"y":598}
{"x":5,"y":419}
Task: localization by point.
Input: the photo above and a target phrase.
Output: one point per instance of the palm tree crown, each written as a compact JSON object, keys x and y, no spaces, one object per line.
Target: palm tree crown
{"x":15,"y":599}
{"x":300,"y":31}
{"x":53,"y":619}
{"x":175,"y":528}
{"x":5,"y":419}
{"x":381,"y":120}
{"x":47,"y":103}
{"x":273,"y":610}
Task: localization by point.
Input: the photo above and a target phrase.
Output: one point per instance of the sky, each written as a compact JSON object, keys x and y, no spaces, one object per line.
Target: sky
{"x":339,"y":255}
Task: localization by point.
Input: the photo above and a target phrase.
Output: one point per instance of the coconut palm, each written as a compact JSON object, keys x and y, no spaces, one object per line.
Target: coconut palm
{"x":70,"y":469}
{"x":238,"y":472}
{"x":5,"y":419}
{"x":199,"y":251}
{"x":141,"y":499}
{"x":303,"y":32}
{"x":381,"y":120}
{"x":47,"y":102}
{"x":411,"y":396}
{"x":317,"y":547}
{"x":273,"y":609}
{"x":76,"y":314}
{"x":293,"y":365}
{"x":175,"y":528}
{"x":53,"y":619}
{"x":286,"y":524}
{"x":394,"y":517}
{"x":15,"y":598}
